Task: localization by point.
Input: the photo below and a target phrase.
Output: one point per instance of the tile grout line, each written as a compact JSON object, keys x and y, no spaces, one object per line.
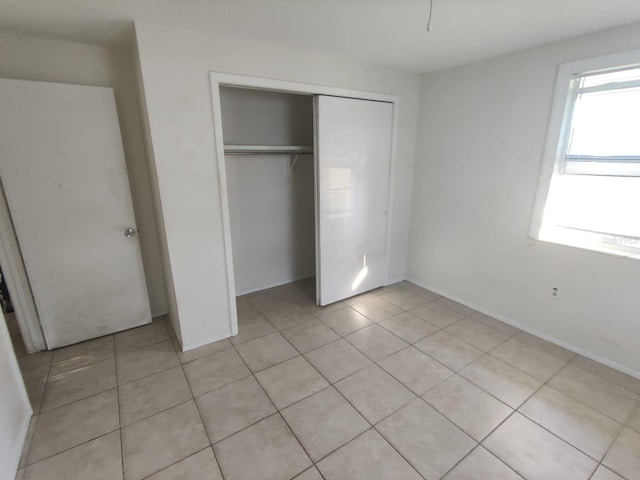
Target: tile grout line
{"x":120,"y":433}
{"x":177,"y":461}
{"x":517,"y":410}
{"x":330,"y":385}
{"x":485,"y":352}
{"x":277,"y":410}
{"x":372,"y":426}
{"x":193,"y":399}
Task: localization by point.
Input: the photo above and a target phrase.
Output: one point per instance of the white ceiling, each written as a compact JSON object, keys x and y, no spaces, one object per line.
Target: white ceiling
{"x":385,"y":32}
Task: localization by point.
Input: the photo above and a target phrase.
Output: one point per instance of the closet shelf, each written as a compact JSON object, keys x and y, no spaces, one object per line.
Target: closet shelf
{"x":267,"y":149}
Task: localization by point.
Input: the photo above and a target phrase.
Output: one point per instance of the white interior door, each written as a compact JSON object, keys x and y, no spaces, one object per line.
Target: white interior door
{"x":353,"y":154}
{"x":62,"y":167}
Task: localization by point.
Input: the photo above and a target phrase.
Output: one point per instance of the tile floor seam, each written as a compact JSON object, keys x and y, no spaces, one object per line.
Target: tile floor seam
{"x":143,"y":346}
{"x":513,"y":410}
{"x":633,"y":413}
{"x":152,"y":373}
{"x":528,"y":374}
{"x":487,"y":326}
{"x":545,"y":384}
{"x":348,"y":441}
{"x":567,"y":441}
{"x":71,"y":448}
{"x":44,"y":390}
{"x":600,"y":376}
{"x":354,"y":331}
{"x":169,"y":466}
{"x":396,"y":449}
{"x":91,"y":363}
{"x":278,"y":363}
{"x":386,"y":441}
{"x":204,"y":426}
{"x":410,"y":343}
{"x":609,"y":449}
{"x":517,"y":410}
{"x":119,"y":412}
{"x":76,"y":401}
{"x":46,"y":384}
{"x":612,"y":469}
{"x":491,"y":394}
{"x":383,"y":358}
{"x":26,"y":448}
{"x":330,"y":385}
{"x":155,"y":413}
{"x":588,"y":406}
{"x":306,"y":452}
{"x":479,"y":445}
{"x":481,"y":442}
{"x":277,"y":410}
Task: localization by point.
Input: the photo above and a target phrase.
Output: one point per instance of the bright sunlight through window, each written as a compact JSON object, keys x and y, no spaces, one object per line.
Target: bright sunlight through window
{"x":589,"y":193}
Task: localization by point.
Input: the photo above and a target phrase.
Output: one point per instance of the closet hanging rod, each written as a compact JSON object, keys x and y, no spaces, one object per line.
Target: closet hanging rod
{"x":267,"y":149}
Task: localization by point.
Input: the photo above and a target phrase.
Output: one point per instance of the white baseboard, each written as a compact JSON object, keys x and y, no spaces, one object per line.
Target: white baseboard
{"x":272,"y":285}
{"x":193,"y":346}
{"x":532,"y":331}
{"x":394,"y":280}
{"x":159,"y":314}
{"x":19,"y":444}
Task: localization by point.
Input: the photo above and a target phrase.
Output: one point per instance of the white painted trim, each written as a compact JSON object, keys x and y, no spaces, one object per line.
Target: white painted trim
{"x":216,"y":107}
{"x":193,"y":346}
{"x":260,"y":83}
{"x":277,"y":284}
{"x":395,"y":280}
{"x":216,"y":80}
{"x":532,"y":331}
{"x":395,"y":115}
{"x":18,"y":283}
{"x":161,"y":313}
{"x":316,"y":197}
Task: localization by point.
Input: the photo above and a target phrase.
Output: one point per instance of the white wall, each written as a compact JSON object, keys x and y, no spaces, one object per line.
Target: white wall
{"x":271,"y":207}
{"x":272,"y":220}
{"x":481,"y":137}
{"x":54,"y":61}
{"x":15,"y":409}
{"x":260,"y":117}
{"x":174,"y":66}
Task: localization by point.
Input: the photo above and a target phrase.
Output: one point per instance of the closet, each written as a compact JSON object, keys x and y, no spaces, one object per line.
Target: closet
{"x":308,"y":189}
{"x":270,"y":182}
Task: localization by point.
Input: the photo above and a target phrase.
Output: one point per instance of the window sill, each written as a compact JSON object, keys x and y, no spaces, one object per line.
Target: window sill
{"x":586,"y":241}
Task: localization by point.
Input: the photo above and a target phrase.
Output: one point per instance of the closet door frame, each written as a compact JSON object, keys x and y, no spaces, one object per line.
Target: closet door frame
{"x":219,"y":79}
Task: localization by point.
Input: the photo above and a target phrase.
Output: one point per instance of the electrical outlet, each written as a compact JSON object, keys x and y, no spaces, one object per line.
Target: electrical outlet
{"x":555,"y":293}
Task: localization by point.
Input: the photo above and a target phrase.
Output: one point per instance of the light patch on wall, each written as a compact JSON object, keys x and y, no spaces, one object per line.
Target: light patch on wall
{"x":340,"y":193}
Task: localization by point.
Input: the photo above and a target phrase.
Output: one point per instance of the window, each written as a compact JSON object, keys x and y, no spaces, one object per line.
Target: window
{"x":589,"y":191}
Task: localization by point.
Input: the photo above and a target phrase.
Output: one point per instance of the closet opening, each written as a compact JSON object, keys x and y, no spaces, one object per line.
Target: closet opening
{"x":270,"y":176}
{"x":305,"y":177}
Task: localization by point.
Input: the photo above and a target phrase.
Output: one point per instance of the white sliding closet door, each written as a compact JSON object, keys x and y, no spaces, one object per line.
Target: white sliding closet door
{"x":63,"y":171}
{"x":353,"y":154}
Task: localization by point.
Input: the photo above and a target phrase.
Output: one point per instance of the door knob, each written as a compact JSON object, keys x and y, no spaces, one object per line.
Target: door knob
{"x":129,"y":233}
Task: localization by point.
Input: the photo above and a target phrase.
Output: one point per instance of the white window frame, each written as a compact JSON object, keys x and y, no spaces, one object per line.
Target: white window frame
{"x":556,"y":136}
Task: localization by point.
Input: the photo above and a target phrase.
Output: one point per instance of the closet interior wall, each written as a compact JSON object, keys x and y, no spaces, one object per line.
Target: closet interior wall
{"x":271,"y":202}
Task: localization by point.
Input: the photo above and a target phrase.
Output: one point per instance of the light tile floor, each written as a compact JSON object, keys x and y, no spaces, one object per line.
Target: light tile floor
{"x":395,"y":384}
